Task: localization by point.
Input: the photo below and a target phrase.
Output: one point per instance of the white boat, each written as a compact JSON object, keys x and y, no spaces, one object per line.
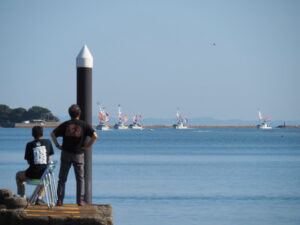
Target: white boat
{"x":263,"y":122}
{"x":120,"y":124}
{"x":181,"y":121}
{"x":103,"y":118}
{"x":264,"y":126}
{"x":102,"y":127}
{"x":180,"y":126}
{"x":135,"y":123}
{"x":136,"y":127}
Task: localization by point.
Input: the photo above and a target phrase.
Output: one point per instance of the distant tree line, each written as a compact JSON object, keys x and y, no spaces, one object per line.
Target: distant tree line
{"x":8,"y":116}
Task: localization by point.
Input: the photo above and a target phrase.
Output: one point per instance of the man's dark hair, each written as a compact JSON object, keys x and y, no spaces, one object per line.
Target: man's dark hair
{"x":74,"y":111}
{"x":37,"y":132}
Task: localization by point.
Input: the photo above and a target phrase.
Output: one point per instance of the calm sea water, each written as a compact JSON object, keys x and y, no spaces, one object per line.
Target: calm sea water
{"x":198,"y":176}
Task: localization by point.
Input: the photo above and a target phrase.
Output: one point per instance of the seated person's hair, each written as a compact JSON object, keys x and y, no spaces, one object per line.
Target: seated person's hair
{"x":37,"y":131}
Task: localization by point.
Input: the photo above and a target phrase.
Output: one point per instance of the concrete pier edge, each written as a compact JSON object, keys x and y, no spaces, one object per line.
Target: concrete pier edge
{"x":14,"y":211}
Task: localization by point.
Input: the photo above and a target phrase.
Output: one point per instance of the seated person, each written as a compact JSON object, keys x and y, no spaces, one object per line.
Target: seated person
{"x":37,"y":154}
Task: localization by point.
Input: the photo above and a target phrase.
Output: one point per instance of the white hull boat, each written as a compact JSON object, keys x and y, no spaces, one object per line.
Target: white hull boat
{"x":103,"y":118}
{"x":264,"y":124}
{"x":135,"y":123}
{"x":180,"y":126}
{"x":120,"y":124}
{"x":136,"y":127}
{"x":181,"y":121}
{"x":102,"y":127}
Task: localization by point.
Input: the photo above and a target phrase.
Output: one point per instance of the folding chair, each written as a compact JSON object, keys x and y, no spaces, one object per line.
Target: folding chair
{"x":47,"y":181}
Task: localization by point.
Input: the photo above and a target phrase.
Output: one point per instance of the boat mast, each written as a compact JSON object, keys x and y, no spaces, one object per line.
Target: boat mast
{"x":119,"y":113}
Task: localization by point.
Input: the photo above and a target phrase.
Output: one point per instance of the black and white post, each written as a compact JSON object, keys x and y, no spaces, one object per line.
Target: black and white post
{"x":84,"y":64}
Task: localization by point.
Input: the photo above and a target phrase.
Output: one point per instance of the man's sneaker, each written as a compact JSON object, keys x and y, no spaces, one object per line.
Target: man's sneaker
{"x":40,"y":202}
{"x":81,"y":203}
{"x":59,"y":203}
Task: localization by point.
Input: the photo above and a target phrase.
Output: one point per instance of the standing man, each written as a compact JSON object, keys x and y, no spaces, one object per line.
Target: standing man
{"x":74,"y":133}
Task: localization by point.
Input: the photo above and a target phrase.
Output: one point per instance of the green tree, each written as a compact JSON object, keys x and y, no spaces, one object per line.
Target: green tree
{"x":8,"y":116}
{"x":4,"y":115}
{"x":17,"y":115}
{"x":37,"y":112}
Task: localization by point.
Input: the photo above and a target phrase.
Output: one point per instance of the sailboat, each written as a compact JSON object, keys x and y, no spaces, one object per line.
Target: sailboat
{"x":181,"y":121}
{"x":120,"y":124}
{"x":103,"y":118}
{"x":135,"y":123}
{"x":263,"y":122}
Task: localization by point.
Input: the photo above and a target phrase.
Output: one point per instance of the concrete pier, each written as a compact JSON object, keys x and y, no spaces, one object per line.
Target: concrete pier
{"x":63,"y":215}
{"x":13,"y":211}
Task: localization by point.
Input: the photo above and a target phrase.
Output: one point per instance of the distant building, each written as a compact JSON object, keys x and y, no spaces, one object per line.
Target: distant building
{"x":39,"y":122}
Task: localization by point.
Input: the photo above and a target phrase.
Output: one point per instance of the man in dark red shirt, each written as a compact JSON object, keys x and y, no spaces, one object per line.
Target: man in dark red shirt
{"x":74,"y":133}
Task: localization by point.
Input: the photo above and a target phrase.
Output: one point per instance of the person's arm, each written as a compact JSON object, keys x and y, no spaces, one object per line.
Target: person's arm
{"x":27,"y":154}
{"x":49,"y":151}
{"x":54,"y":139}
{"x":91,"y":141}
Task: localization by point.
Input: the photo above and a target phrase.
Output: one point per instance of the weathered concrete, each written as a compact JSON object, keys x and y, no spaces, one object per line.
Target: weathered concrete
{"x":63,"y":215}
{"x":13,"y":212}
{"x":15,"y":202}
{"x":4,"y":193}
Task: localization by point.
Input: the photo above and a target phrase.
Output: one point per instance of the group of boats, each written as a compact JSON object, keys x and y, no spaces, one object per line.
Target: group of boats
{"x":103,"y":118}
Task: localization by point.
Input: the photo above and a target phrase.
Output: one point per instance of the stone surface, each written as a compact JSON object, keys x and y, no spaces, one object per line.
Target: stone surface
{"x":65,"y":215}
{"x":4,"y":193}
{"x":14,"y":211}
{"x":15,"y":202}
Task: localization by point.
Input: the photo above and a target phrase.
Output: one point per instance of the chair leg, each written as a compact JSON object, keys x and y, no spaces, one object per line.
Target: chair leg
{"x":48,"y":183}
{"x":52,"y":190}
{"x":35,"y":195}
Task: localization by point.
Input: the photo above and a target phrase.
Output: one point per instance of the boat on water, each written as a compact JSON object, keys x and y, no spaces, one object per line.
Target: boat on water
{"x":263,"y":122}
{"x":120,"y":126}
{"x":103,"y":118}
{"x":181,"y":121}
{"x":135,"y":123}
{"x":264,"y":126}
{"x":121,"y":119}
{"x":180,"y":125}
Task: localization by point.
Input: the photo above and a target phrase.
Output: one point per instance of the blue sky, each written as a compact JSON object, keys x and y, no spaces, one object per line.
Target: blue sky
{"x":154,"y":56}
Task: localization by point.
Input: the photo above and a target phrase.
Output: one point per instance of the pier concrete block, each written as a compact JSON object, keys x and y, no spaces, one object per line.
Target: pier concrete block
{"x":63,"y":215}
{"x":4,"y":193}
{"x":68,"y":214}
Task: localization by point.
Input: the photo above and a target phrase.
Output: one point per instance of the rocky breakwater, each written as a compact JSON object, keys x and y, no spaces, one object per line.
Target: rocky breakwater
{"x":14,"y":211}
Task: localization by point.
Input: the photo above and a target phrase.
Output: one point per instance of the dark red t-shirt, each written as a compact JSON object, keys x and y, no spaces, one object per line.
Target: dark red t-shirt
{"x":74,"y":133}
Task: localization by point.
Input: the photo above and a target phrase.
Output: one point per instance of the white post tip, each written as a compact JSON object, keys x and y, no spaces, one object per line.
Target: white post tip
{"x":84,"y":58}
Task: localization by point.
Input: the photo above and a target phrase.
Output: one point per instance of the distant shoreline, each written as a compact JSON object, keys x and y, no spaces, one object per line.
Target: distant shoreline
{"x":55,"y":124}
